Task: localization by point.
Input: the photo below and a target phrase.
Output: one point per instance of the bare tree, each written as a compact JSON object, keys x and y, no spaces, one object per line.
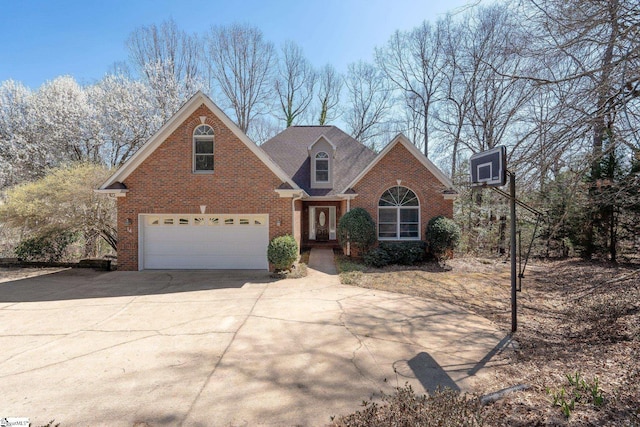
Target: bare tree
{"x":294,"y":83}
{"x":592,"y":47}
{"x":330,"y":83}
{"x":241,"y":62}
{"x":455,"y":98}
{"x":411,"y":61}
{"x":368,"y":104}
{"x":169,"y":60}
{"x":264,"y":128}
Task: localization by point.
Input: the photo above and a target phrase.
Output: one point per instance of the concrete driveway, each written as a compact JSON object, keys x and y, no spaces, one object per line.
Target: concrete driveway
{"x":203,"y":348}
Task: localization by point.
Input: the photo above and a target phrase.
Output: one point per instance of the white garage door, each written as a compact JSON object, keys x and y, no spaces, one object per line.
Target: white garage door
{"x":204,"y":241}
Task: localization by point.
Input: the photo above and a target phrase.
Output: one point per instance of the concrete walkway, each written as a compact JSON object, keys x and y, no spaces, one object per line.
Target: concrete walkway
{"x":321,"y":260}
{"x":203,"y":348}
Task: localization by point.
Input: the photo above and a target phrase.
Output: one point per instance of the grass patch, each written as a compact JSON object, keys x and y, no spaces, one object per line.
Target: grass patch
{"x":350,"y":270}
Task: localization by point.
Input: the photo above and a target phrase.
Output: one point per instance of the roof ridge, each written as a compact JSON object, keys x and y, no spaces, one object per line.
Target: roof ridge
{"x":312,"y":126}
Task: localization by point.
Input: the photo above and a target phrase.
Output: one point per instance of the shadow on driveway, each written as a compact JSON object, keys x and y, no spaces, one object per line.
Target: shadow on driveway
{"x":83,"y":283}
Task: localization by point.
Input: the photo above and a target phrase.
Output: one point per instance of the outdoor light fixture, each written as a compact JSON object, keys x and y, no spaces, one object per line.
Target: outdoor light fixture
{"x":128,"y":222}
{"x":203,"y":208}
{"x":278,"y":223}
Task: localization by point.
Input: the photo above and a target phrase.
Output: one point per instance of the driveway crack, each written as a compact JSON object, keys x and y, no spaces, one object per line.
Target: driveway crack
{"x":224,"y":352}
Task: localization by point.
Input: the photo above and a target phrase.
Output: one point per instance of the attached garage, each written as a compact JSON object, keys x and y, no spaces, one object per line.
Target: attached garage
{"x":226,"y":241}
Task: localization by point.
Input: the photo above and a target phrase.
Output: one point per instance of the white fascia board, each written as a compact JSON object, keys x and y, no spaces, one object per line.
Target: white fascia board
{"x":333,"y":146}
{"x":401,"y":139}
{"x":335,"y":198}
{"x":290,"y":193}
{"x":174,"y":122}
{"x":117,"y":192}
{"x":348,"y":196}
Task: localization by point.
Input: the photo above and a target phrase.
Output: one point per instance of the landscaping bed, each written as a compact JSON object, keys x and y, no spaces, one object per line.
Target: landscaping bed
{"x":578,"y":339}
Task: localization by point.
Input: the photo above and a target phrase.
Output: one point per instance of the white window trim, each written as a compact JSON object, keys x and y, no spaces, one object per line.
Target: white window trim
{"x":193,"y":150}
{"x":397,"y":209}
{"x":316,"y":160}
{"x":314,"y":182}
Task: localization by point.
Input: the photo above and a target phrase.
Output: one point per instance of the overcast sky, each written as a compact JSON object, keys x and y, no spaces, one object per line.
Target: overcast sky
{"x":40,"y":40}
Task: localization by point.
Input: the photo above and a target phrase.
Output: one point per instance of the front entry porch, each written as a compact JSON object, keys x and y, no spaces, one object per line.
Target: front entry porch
{"x":319,"y":224}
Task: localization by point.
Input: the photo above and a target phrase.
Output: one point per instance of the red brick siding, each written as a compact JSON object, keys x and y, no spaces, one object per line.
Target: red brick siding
{"x":165,"y":183}
{"x":399,"y":163}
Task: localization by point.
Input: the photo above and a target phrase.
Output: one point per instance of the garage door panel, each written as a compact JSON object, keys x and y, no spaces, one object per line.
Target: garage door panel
{"x":205,"y":245}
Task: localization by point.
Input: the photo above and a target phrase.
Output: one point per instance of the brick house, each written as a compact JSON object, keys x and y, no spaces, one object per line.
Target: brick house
{"x":200,"y":194}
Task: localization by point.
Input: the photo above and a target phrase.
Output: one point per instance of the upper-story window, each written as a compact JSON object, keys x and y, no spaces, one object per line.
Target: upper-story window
{"x":203,"y":149}
{"x":322,"y":167}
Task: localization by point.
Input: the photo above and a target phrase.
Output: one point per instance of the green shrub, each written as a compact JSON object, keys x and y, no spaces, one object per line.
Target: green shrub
{"x":405,"y":253}
{"x":443,"y":235}
{"x":402,"y":253}
{"x":358,"y":228}
{"x":49,"y":246}
{"x":282,"y":252}
{"x":377,"y":257}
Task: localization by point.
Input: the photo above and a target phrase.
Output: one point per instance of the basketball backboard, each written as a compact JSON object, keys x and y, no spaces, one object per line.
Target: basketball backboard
{"x":489,"y":168}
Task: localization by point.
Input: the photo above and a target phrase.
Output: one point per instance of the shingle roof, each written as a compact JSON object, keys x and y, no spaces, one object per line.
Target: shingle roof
{"x":288,"y":150}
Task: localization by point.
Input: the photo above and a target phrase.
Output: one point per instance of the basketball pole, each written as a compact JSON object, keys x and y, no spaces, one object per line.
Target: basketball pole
{"x":514,"y":302}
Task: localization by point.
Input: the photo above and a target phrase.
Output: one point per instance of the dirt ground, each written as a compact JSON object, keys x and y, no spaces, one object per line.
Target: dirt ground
{"x":578,"y":338}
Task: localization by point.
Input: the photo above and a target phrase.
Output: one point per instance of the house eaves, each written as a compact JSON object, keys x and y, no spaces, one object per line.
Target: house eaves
{"x":401,"y":139}
{"x":173,"y":123}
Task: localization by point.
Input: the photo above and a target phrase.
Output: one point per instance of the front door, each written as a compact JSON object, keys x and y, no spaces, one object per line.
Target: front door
{"x":322,"y":224}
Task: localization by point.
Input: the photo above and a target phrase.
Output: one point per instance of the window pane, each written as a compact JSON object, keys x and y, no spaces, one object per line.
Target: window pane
{"x":204,"y":146}
{"x":410,"y":200}
{"x":398,"y":196}
{"x":322,"y":176}
{"x":322,"y":155}
{"x":388,"y":215}
{"x":408,"y":230}
{"x":203,"y":130}
{"x":387,"y":230}
{"x":204,"y":162}
{"x":408,"y":215}
{"x":322,"y":165}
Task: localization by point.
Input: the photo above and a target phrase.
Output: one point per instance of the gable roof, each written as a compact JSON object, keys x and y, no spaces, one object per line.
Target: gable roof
{"x":290,"y":150}
{"x":401,"y":139}
{"x":174,"y":122}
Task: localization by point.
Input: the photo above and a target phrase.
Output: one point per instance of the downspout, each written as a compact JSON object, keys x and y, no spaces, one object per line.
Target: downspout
{"x":348,"y":242}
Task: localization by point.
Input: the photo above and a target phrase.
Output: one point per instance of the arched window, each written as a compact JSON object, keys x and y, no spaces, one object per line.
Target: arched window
{"x":322,"y":167}
{"x":203,"y":149}
{"x":399,"y":215}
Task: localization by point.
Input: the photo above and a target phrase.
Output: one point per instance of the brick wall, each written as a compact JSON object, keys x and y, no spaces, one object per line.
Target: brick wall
{"x":399,"y":163}
{"x":165,"y":183}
